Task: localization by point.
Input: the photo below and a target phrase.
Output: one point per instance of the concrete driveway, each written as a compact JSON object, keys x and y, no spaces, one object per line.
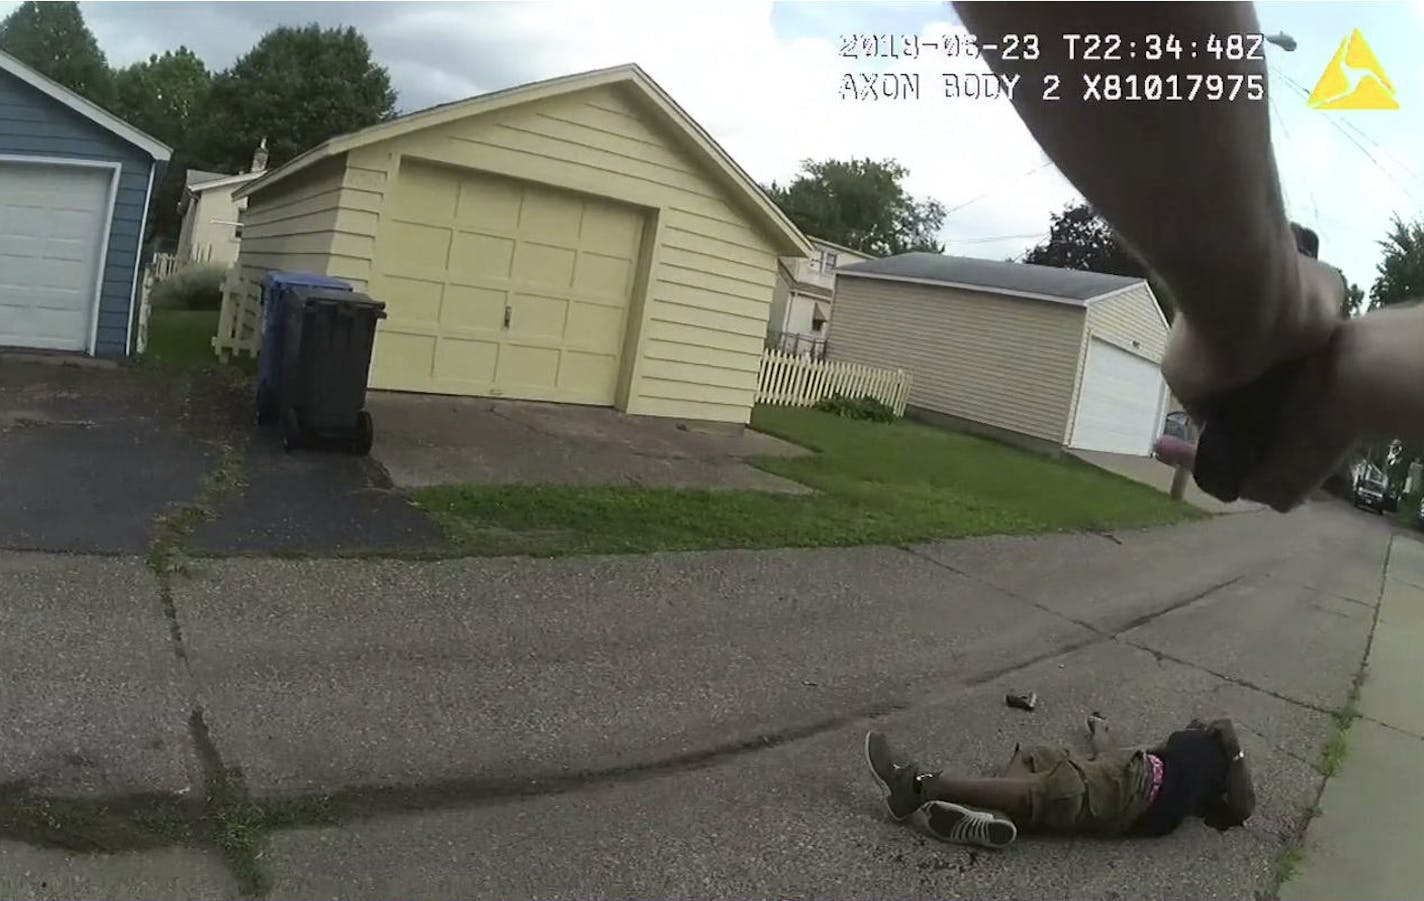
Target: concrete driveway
{"x":1150,"y":472}
{"x":676,"y":725}
{"x":424,"y":440}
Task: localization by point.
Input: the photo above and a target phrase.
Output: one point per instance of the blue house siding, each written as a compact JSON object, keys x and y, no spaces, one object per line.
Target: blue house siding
{"x":32,"y":124}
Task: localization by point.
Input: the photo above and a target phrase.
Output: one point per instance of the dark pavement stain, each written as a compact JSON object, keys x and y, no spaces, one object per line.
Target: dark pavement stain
{"x":91,"y":458}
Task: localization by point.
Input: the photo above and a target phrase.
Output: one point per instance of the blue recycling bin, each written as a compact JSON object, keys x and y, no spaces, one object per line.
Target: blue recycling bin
{"x":276,"y":287}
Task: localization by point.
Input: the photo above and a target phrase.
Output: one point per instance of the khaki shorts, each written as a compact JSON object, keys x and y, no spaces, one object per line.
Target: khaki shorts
{"x":1079,"y":792}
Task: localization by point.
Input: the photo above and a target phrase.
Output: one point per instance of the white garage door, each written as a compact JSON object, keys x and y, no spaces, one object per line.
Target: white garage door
{"x":1119,"y":404}
{"x":52,"y":226}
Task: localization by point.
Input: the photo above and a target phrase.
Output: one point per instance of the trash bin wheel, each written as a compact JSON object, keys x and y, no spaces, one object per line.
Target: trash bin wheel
{"x":364,"y":435}
{"x":291,"y":430}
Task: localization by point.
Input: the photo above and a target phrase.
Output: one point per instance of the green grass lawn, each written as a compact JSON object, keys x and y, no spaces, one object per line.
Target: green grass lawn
{"x":875,"y":484}
{"x":182,"y":339}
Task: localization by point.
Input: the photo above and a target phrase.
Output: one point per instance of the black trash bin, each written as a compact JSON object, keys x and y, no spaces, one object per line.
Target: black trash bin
{"x":275,"y":287}
{"x":328,"y":337}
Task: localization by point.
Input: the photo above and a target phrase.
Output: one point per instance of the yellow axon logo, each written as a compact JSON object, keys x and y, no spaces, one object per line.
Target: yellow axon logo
{"x":1354,"y":79}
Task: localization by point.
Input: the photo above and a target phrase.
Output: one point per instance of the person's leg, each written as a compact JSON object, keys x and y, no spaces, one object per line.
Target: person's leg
{"x":1011,"y":796}
{"x":909,"y":789}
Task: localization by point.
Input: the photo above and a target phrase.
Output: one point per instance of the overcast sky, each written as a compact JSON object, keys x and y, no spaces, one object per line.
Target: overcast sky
{"x":763,"y":78}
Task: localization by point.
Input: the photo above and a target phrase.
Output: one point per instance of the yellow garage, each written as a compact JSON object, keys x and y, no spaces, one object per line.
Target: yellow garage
{"x":579,"y":240}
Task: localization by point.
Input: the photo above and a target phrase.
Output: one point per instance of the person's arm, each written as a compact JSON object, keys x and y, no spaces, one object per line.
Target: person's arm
{"x":1239,"y":801}
{"x":1189,"y":185}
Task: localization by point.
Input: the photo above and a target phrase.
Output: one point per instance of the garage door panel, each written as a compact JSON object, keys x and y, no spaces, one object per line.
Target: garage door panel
{"x":424,"y":192}
{"x":604,"y":276}
{"x":543,"y":265}
{"x":523,"y":366}
{"x":583,"y":369}
{"x":475,"y":258}
{"x":469,"y":361}
{"x":595,"y":326}
{"x":418,"y":249}
{"x":480,"y":309}
{"x":486,"y":204}
{"x":1118,"y":405}
{"x":532,"y":316}
{"x":401,"y":359}
{"x":412,"y":301}
{"x":553,"y":216}
{"x":609,"y":230}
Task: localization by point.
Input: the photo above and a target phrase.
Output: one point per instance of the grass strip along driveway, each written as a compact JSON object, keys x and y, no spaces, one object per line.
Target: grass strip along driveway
{"x":875,"y":483}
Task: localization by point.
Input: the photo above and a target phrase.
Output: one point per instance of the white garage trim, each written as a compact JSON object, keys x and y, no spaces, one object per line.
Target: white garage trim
{"x":114,"y":170}
{"x":138,"y":260}
{"x":1094,"y":399}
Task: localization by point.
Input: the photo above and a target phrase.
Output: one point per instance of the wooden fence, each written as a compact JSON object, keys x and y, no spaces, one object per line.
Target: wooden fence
{"x":239,"y":320}
{"x":788,"y":380}
{"x":162,"y":266}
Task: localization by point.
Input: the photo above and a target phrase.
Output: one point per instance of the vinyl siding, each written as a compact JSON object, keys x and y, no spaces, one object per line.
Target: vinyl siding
{"x":1130,"y":320}
{"x":1002,"y":361}
{"x":32,"y":124}
{"x":700,"y":326}
{"x":290,"y":226}
{"x":208,"y":227}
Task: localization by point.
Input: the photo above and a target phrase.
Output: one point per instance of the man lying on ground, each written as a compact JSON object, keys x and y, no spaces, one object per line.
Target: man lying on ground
{"x":1198,"y":771}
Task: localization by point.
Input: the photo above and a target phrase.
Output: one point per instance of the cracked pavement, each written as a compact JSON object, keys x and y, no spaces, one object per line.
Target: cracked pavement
{"x":674,"y":725}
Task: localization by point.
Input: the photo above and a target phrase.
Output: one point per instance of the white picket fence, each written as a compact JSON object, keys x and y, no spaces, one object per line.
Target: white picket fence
{"x":239,"y":319}
{"x":791,"y":381}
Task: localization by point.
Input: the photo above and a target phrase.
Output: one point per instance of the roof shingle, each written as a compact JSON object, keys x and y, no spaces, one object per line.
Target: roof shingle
{"x":1073,"y":285}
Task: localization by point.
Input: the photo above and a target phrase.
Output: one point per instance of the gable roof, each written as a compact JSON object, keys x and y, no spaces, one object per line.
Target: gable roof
{"x":89,"y":110}
{"x":195,"y":177}
{"x":789,"y":237}
{"x":841,"y":248}
{"x":1071,"y":286}
{"x":219,"y":180}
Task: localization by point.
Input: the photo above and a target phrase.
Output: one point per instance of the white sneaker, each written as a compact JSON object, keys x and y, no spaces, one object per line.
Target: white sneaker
{"x":964,"y":826}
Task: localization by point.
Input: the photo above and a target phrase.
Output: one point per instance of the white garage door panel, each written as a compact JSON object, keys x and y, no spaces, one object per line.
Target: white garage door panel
{"x":1119,"y":404}
{"x":52,"y":226}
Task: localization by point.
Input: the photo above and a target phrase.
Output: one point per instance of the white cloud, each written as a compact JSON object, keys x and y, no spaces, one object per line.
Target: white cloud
{"x":771,"y":100}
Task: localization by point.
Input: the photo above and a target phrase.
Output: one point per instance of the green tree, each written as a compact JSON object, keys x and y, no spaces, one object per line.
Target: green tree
{"x":52,"y":38}
{"x":1354,"y":302}
{"x":296,"y":87}
{"x":165,"y":96}
{"x":1078,"y":238}
{"x":1399,"y":277}
{"x":861,"y":204}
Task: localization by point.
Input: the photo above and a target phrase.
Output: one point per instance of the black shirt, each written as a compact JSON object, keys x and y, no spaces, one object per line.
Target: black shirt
{"x":1194,"y":768}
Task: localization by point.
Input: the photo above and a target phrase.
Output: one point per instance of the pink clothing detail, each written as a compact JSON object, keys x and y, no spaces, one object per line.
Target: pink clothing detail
{"x":1156,"y":777}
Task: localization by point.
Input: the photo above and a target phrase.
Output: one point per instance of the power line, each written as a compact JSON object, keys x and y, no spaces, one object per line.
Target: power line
{"x":994,"y":239}
{"x":1345,"y":123}
{"x":1351,"y":138}
{"x":954,"y":209}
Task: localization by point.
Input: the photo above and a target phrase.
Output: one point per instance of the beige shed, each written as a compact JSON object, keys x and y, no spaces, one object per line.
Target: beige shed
{"x":578,"y":240}
{"x":1044,"y":355}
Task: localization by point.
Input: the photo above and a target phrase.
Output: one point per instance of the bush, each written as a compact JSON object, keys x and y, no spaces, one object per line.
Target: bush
{"x":195,"y":287}
{"x":867,"y":408}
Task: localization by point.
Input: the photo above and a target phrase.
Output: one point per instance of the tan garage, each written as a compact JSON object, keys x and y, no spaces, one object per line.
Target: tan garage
{"x":578,"y":240}
{"x":1048,"y":356}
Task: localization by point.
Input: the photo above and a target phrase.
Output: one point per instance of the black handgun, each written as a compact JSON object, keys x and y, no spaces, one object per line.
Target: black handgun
{"x":1240,"y":426}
